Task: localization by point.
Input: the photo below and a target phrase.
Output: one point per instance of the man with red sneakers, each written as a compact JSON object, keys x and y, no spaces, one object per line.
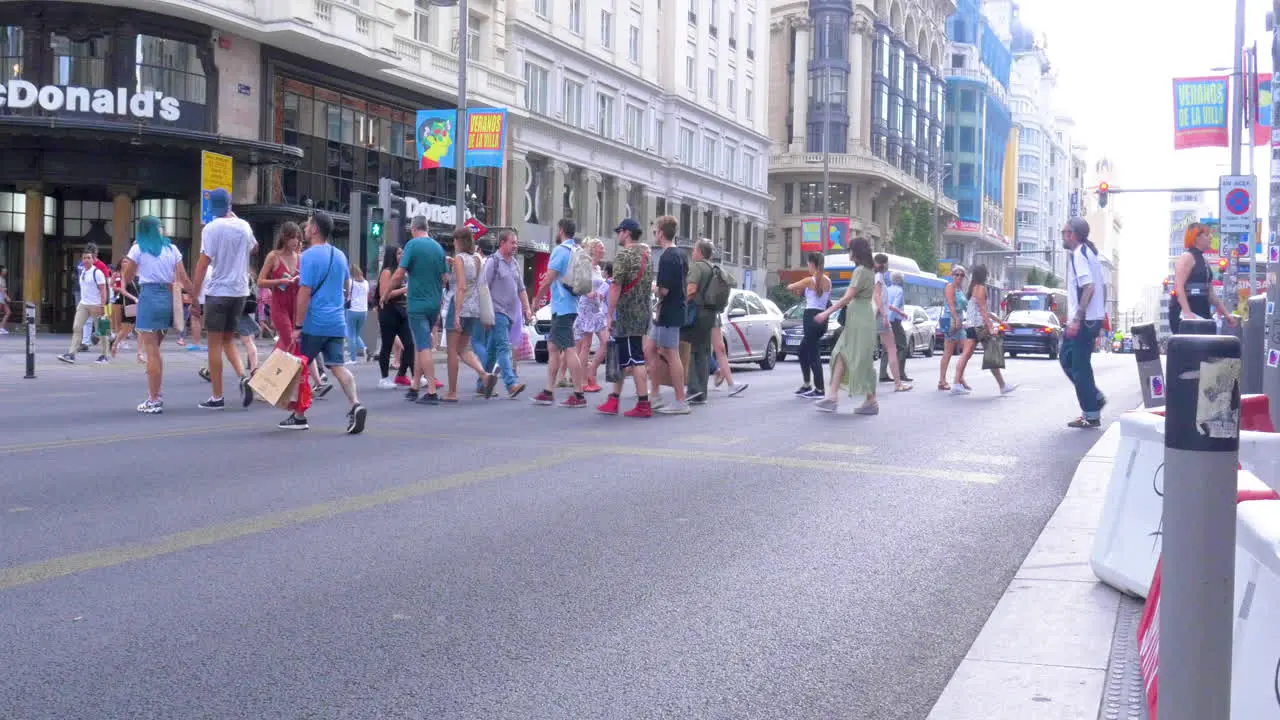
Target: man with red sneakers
{"x":628,"y":319}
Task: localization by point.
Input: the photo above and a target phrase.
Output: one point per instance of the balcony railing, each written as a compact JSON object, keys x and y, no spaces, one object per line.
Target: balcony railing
{"x":861,"y":163}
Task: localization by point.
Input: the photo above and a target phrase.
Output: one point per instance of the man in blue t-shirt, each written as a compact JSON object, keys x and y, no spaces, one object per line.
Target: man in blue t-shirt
{"x":564,"y":311}
{"x":321,"y":318}
{"x":423,"y":262}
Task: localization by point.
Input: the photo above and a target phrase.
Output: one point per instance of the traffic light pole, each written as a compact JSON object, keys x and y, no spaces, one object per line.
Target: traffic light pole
{"x":462,"y":132}
{"x":1271,"y":373}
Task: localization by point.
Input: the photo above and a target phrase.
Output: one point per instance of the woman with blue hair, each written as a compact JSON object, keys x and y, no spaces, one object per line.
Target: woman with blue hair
{"x":157,"y":265}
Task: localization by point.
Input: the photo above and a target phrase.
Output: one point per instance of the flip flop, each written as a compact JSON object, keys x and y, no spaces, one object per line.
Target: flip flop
{"x":448,"y":400}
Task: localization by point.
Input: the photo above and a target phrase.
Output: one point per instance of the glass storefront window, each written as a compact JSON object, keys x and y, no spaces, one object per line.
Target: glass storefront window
{"x":82,"y":63}
{"x":172,"y":67}
{"x":13,"y":214}
{"x":10,"y":53}
{"x":174,"y":215}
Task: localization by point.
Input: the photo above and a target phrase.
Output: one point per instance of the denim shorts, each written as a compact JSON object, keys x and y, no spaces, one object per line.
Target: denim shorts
{"x":312,"y":346}
{"x":562,"y":331}
{"x":420,"y":325}
{"x":155,"y":307}
{"x":951,"y":332}
{"x":665,"y":337}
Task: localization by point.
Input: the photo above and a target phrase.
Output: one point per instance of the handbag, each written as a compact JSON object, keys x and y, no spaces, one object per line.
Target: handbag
{"x":612,"y":372}
{"x":487,"y":316}
{"x":992,"y":351}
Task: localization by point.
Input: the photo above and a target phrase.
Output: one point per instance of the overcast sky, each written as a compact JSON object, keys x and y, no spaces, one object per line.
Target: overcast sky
{"x":1099,"y":49}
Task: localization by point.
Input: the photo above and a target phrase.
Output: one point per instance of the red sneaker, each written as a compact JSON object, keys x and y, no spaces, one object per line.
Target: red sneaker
{"x":439,"y":384}
{"x":592,"y":387}
{"x":403,"y":380}
{"x":608,"y":407}
{"x":574,"y":402}
{"x":544,"y":398}
{"x":641,"y":410}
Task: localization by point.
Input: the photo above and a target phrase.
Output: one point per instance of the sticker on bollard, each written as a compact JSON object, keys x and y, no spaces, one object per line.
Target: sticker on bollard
{"x":1157,"y":387}
{"x":1218,"y":401}
{"x":1273,"y":358}
{"x":1146,"y":350}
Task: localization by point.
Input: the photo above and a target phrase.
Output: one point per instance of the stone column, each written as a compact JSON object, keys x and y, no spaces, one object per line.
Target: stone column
{"x":674,"y":209}
{"x":512,"y":210}
{"x":622,"y":198}
{"x":859,"y":111}
{"x":800,"y":85}
{"x":590,"y":224}
{"x":33,"y":250}
{"x":121,"y":222}
{"x":650,"y":207}
{"x":555,"y":193}
{"x":733,"y":246}
{"x":697,"y":228}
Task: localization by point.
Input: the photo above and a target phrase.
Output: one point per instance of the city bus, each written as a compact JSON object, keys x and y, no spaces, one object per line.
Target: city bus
{"x":919,"y":288}
{"x":1036,"y":297}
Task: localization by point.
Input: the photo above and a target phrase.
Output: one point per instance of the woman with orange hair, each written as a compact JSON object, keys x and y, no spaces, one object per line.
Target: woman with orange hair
{"x":1193,"y":294}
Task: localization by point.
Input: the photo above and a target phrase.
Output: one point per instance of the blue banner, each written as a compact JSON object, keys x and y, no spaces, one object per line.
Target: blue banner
{"x":437,"y":132}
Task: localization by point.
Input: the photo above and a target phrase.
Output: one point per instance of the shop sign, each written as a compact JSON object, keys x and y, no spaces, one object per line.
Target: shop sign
{"x":146,"y":105}
{"x":439,"y":214}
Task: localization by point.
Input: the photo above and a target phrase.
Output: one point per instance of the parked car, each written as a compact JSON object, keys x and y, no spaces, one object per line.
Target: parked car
{"x":752,"y":332}
{"x":1032,"y":331}
{"x":793,"y":333}
{"x":922,"y":333}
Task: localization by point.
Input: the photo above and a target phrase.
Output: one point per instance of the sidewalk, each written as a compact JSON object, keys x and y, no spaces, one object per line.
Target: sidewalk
{"x":1060,"y":645}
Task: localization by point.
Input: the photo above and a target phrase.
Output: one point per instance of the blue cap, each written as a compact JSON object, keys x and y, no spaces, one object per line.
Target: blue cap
{"x":629,"y":225}
{"x":219,"y":202}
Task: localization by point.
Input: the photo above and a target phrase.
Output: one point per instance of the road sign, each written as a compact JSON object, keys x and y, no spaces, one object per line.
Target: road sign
{"x":1239,"y":211}
{"x":478,"y":229}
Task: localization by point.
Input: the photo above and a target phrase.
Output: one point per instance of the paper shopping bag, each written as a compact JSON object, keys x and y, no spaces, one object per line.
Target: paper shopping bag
{"x":274,"y":381}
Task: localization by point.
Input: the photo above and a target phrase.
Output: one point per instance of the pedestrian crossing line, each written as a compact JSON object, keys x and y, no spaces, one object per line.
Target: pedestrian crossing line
{"x":89,"y":440}
{"x":836,"y":448}
{"x":44,"y":570}
{"x":834,"y":466}
{"x":713,"y":440}
{"x":980,"y":459}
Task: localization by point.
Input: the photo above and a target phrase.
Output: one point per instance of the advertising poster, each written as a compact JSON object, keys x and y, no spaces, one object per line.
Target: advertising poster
{"x":215,"y":174}
{"x":437,"y":132}
{"x":811,"y":235}
{"x":1262,"y":118}
{"x":1199,"y":112}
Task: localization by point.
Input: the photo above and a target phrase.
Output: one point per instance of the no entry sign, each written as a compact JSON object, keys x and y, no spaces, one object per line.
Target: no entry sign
{"x":1238,"y":211}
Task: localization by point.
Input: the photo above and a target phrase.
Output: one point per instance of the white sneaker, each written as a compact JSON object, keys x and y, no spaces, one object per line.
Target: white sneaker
{"x":3,"y":331}
{"x":1008,"y":388}
{"x":656,"y":402}
{"x":387,"y":383}
{"x":959,"y":390}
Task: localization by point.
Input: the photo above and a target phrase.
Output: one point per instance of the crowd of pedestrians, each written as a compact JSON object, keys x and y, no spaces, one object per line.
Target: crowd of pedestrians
{"x":653,"y":314}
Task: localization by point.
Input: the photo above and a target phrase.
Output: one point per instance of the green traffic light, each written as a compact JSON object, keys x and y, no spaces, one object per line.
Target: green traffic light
{"x":375,"y":230}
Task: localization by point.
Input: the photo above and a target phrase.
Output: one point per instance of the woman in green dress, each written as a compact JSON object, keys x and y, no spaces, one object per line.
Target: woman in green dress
{"x":853,"y":357}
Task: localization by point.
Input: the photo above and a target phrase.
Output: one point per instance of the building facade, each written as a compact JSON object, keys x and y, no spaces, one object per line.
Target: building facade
{"x":858,"y":85}
{"x":108,"y":110}
{"x":1106,"y":228}
{"x":1076,"y":201}
{"x":632,"y":112}
{"x":978,"y":145}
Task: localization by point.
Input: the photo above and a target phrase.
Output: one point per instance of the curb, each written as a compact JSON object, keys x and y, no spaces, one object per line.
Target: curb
{"x":1046,"y":650}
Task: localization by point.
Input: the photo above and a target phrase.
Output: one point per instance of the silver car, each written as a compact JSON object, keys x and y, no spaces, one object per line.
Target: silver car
{"x":752,"y":332}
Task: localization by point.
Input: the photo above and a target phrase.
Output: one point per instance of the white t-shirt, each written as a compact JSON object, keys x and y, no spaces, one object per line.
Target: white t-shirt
{"x":359,"y":296}
{"x":227,"y":241}
{"x":1085,"y":268}
{"x":89,"y":281}
{"x":155,"y":269}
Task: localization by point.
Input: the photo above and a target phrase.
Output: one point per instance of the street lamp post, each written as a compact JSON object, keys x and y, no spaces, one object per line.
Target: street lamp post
{"x":460,"y":148}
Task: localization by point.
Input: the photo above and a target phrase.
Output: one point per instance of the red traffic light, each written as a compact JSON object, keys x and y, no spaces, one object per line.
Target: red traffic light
{"x":1222,"y":263}
{"x":1103,"y":187}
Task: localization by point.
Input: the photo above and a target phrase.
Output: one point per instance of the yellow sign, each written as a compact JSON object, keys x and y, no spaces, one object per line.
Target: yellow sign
{"x":944,"y":268}
{"x":215,"y":174}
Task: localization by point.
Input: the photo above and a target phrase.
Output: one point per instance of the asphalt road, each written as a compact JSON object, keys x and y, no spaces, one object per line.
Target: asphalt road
{"x":498,"y":560}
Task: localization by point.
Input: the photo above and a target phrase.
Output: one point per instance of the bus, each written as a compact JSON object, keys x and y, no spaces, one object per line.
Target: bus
{"x":919,"y":288}
{"x":1036,"y":297}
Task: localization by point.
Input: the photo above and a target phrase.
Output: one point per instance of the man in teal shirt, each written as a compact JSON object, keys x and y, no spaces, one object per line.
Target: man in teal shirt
{"x":424,"y":263}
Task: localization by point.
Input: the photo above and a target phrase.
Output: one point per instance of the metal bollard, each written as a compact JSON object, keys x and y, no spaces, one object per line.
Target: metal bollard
{"x":1201,"y":449}
{"x":1146,"y":348}
{"x":29,"y":314}
{"x":1253,"y":353}
{"x":1197,"y":326}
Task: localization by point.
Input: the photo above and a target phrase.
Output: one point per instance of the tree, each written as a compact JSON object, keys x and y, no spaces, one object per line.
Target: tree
{"x":782,"y":297}
{"x":1033,"y":277}
{"x":913,"y":235}
{"x":1051,"y":281}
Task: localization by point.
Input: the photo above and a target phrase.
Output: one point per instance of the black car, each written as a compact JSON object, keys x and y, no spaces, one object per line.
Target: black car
{"x":1032,"y":331}
{"x":793,"y":331}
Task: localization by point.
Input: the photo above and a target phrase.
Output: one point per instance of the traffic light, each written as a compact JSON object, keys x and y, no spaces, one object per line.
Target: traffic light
{"x":394,"y":206}
{"x":1222,"y":265}
{"x":1103,"y":189}
{"x":375,"y":224}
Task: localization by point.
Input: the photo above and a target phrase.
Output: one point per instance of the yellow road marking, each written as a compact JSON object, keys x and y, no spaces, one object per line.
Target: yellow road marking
{"x":110,"y":557}
{"x":88,"y":440}
{"x":980,"y":459}
{"x":716,"y":440}
{"x":835,"y":448}
{"x":808,"y":464}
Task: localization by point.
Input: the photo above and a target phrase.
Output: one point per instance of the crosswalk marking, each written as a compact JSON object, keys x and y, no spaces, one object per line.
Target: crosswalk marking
{"x":980,"y":459}
{"x":714,"y":440}
{"x":835,"y":448}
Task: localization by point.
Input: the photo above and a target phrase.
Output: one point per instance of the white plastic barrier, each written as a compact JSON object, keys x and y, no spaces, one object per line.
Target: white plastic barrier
{"x":1127,"y":544}
{"x":1260,"y":455}
{"x":1255,"y":660}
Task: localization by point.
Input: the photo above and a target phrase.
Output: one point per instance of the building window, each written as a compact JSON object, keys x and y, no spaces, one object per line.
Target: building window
{"x":635,"y":126}
{"x":968,"y":139}
{"x":1028,"y":217}
{"x":422,"y":20}
{"x":10,"y":53}
{"x":788,"y":238}
{"x":750,"y":178}
{"x":174,"y":215}
{"x":730,"y":93}
{"x":693,"y":12}
{"x":170,"y":66}
{"x":690,"y":73}
{"x":633,"y":44}
{"x":709,"y":147}
{"x":13,"y":215}
{"x":536,"y":95}
{"x":604,"y":114}
{"x":747,"y":104}
{"x":82,"y":63}
{"x":1028,"y":163}
{"x":968,"y":100}
{"x":575,"y":16}
{"x":606,"y":29}
{"x":659,"y":142}
{"x":733,"y":28}
{"x":751,"y":34}
{"x":686,"y":150}
{"x":711,"y":84}
{"x":540,"y":7}
{"x":966,"y":175}
{"x":1028,"y":190}
{"x":788,"y":198}
{"x":730,"y":161}
{"x":841,"y":198}
{"x":573,"y":102}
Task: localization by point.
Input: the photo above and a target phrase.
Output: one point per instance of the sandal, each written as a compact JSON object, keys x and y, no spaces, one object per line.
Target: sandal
{"x":943,"y":386}
{"x":902,"y":387}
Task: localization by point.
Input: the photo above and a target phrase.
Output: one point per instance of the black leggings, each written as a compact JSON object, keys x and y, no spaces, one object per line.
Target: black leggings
{"x":393,"y":321}
{"x":810,"y":353}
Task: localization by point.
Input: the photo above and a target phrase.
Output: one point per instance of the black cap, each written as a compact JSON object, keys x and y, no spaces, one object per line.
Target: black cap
{"x":628,"y":224}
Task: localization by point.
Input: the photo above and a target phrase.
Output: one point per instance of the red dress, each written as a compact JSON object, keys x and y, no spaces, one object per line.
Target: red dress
{"x":284,"y":303}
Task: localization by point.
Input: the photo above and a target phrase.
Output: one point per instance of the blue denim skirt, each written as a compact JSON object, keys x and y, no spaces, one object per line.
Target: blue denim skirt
{"x":155,"y":307}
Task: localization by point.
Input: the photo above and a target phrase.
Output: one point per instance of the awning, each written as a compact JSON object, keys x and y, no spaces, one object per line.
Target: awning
{"x":249,"y":152}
